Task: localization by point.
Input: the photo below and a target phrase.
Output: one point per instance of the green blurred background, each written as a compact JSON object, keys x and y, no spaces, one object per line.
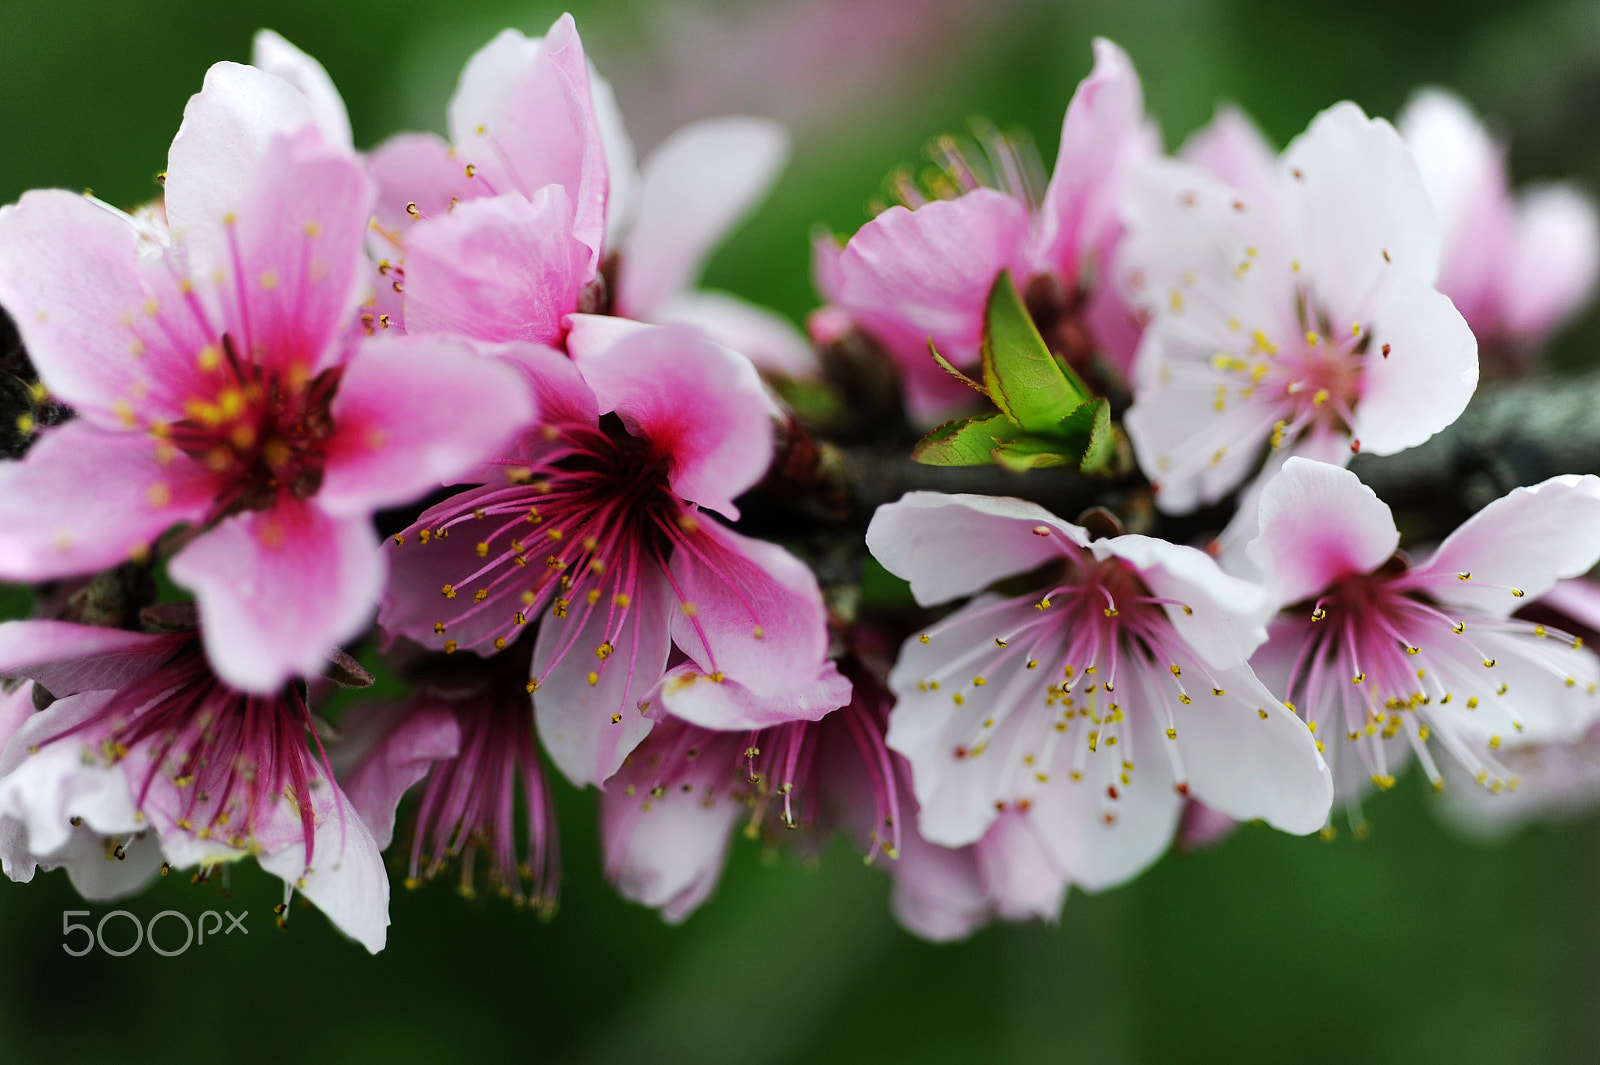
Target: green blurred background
{"x":1410,"y":946}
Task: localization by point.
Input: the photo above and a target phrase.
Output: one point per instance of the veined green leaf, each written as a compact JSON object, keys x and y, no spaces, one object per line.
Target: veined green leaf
{"x":965,"y":441}
{"x":1024,"y":379}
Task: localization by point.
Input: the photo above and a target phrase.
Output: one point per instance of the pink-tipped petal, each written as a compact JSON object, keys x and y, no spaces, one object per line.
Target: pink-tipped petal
{"x":696,"y":186}
{"x":413,"y":413}
{"x":415,"y":171}
{"x":1318,"y":523}
{"x":278,"y":589}
{"x":1019,"y":873}
{"x":666,"y":853}
{"x":501,"y":269}
{"x":84,"y":499}
{"x":347,"y":880}
{"x":698,"y":404}
{"x":953,"y":545}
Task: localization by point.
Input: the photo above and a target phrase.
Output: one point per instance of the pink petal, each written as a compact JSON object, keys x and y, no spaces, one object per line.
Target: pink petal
{"x":94,"y":303}
{"x":1318,"y":523}
{"x":1527,"y":539}
{"x":1103,"y":128}
{"x":697,"y":184}
{"x":938,"y":891}
{"x":1360,"y":204}
{"x":1578,"y":599}
{"x":589,"y":728}
{"x":758,"y":613}
{"x":66,"y":659}
{"x":279,"y":589}
{"x":766,"y":338}
{"x":398,"y":744}
{"x":1550,"y":275}
{"x":415,"y":170}
{"x":46,"y":784}
{"x":226,"y":132}
{"x":413,"y":413}
{"x":84,"y":499}
{"x":499,"y":269}
{"x":948,"y":546}
{"x":297,"y":254}
{"x":1202,"y":827}
{"x":692,"y":696}
{"x":281,"y":59}
{"x":1231,"y":147}
{"x":1019,"y":873}
{"x":524,"y":116}
{"x":911,"y":276}
{"x":697,"y":403}
{"x":1428,"y":376}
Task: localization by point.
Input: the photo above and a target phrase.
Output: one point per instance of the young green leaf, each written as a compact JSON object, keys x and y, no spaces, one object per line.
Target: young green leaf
{"x":1027,"y":383}
{"x":965,"y":441}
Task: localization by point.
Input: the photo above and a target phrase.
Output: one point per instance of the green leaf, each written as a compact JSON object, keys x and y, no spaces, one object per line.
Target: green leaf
{"x":1027,"y":383}
{"x":1034,"y":452}
{"x":944,"y":364}
{"x":1101,"y":451}
{"x":965,"y":441}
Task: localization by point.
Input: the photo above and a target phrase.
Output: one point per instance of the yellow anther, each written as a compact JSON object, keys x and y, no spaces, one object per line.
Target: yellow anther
{"x":449,"y":591}
{"x":449,"y":647}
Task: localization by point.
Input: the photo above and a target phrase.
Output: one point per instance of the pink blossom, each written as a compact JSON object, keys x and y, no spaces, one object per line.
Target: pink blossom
{"x":533,"y":210}
{"x":1072,"y":704}
{"x":1382,"y":655}
{"x":668,"y":814}
{"x":1518,"y":267}
{"x":922,"y":272}
{"x":597,"y":519}
{"x":146,"y":754}
{"x":229,"y":397}
{"x":467,"y":736}
{"x":1297,"y":320}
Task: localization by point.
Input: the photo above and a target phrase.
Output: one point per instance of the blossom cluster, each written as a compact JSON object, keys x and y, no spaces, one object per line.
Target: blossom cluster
{"x":456,"y":409}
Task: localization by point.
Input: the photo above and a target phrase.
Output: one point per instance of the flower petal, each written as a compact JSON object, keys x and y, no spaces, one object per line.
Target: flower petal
{"x":1551,"y":273}
{"x":1102,"y":130}
{"x":694,"y":697}
{"x":1363,"y":211}
{"x":279,"y":589}
{"x":524,"y":117}
{"x":347,"y":880}
{"x":699,"y":404}
{"x":1527,"y":540}
{"x":65,"y":659}
{"x":696,"y":185}
{"x":587,"y":708}
{"x":227,"y":127}
{"x":395,"y":745}
{"x":948,"y":546}
{"x":1318,"y":523}
{"x":499,"y":269}
{"x":765,"y":337}
{"x":276,"y":56}
{"x":1430,"y":372}
{"x":84,"y":499}
{"x":94,"y":302}
{"x":757,"y":613}
{"x":1234,"y":149}
{"x":413,"y":413}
